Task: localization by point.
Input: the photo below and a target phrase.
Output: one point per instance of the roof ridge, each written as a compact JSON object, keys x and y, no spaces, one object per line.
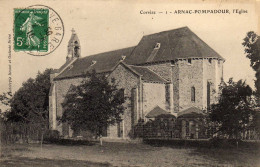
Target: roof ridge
{"x":158,"y":106}
{"x":176,"y":43}
{"x":151,"y":71}
{"x":162,"y":32}
{"x":66,"y":67}
{"x":206,"y":45}
{"x":107,"y":52}
{"x":157,"y":111}
{"x":126,"y":65}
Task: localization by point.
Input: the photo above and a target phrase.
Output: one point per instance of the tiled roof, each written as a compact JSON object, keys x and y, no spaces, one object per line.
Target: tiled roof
{"x":158,"y":111}
{"x":191,"y":112}
{"x":147,"y":74}
{"x":105,"y":62}
{"x":174,"y":44}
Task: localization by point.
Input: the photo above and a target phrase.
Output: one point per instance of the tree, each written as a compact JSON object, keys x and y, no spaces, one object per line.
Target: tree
{"x":93,"y":105}
{"x":252,"y":50}
{"x":30,"y":102}
{"x":27,"y":111}
{"x":234,"y":110}
{"x":5,"y":99}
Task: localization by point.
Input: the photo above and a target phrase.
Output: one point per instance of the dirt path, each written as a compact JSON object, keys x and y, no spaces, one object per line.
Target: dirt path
{"x":129,"y":154}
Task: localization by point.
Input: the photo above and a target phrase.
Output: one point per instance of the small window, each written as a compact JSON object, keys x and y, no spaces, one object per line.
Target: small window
{"x":76,"y":51}
{"x":193,"y":94}
{"x":123,"y":57}
{"x":208,"y":95}
{"x":210,"y":61}
{"x":172,"y":63}
{"x":70,"y":67}
{"x":157,"y":46}
{"x":93,"y":62}
{"x":167,"y":93}
{"x":119,"y":129}
{"x":122,"y":93}
{"x":187,"y":129}
{"x":189,"y":61}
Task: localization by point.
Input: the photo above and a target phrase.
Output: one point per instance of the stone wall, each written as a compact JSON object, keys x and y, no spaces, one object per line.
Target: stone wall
{"x":61,"y":89}
{"x":190,"y":75}
{"x":212,"y":74}
{"x":185,"y":75}
{"x":126,"y":80}
{"x":142,"y":97}
{"x":162,"y":69}
{"x":52,"y":108}
{"x":153,"y":95}
{"x":196,"y":74}
{"x":175,"y":82}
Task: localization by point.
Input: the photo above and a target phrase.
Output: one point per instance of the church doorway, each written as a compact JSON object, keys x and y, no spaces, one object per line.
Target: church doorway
{"x":120,"y":129}
{"x":189,"y":129}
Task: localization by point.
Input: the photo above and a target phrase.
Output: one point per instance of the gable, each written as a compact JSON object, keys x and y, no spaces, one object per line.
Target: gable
{"x":143,"y":72}
{"x":104,"y":62}
{"x":123,"y":71}
{"x":191,"y":112}
{"x":158,"y":112}
{"x":124,"y":78}
{"x":174,"y":44}
{"x":147,"y":75}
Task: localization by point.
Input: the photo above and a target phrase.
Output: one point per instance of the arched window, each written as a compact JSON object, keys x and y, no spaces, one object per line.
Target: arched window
{"x":193,"y":94}
{"x":122,"y":93}
{"x":208,"y":95}
{"x":76,"y":51}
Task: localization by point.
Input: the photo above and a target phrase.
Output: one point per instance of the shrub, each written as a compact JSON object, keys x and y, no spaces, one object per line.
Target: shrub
{"x":212,"y":143}
{"x":51,"y":135}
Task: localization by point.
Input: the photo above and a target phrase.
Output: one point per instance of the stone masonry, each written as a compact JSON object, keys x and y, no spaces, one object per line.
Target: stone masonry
{"x":179,"y":80}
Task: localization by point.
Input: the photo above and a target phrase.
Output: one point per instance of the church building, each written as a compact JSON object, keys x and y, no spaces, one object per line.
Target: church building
{"x":172,"y":73}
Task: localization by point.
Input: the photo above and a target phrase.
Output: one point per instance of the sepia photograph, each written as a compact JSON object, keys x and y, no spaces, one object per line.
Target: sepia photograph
{"x":116,"y":83}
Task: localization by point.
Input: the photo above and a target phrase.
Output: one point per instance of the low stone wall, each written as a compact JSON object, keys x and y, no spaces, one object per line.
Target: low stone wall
{"x":204,"y":143}
{"x":169,"y":128}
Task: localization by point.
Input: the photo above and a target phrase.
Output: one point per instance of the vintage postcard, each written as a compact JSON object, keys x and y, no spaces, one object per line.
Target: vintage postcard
{"x":129,"y":83}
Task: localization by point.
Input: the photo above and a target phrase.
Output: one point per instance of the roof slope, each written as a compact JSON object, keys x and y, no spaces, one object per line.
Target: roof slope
{"x":177,"y":43}
{"x":105,"y":62}
{"x":147,"y":74}
{"x":158,"y":111}
{"x":191,"y":112}
{"x":173,"y":44}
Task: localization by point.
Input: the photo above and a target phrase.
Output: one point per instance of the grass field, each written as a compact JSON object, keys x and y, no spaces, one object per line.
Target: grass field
{"x":123,"y":154}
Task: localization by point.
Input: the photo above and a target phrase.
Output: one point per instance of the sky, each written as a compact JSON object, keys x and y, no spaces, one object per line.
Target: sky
{"x":108,"y":25}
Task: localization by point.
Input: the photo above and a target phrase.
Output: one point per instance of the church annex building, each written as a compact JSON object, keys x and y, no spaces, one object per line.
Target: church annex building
{"x":173,"y":74}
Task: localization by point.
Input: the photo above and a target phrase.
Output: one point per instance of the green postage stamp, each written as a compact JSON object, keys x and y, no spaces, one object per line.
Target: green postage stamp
{"x":31,"y":28}
{"x":38,"y":30}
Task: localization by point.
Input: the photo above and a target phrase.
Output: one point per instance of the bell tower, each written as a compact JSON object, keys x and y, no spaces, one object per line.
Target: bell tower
{"x":73,"y":47}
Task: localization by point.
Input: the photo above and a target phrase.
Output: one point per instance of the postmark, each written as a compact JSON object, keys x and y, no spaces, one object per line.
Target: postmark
{"x":38,"y":30}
